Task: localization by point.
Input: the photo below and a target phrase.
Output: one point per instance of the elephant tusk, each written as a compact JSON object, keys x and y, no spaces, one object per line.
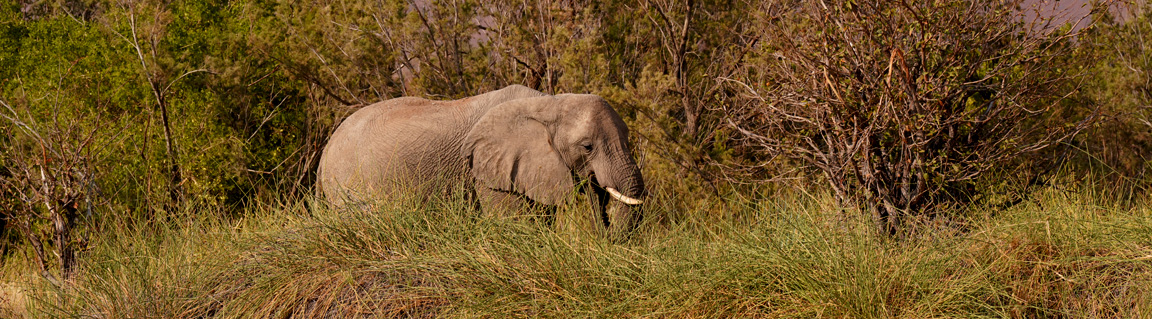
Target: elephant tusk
{"x":625,"y":199}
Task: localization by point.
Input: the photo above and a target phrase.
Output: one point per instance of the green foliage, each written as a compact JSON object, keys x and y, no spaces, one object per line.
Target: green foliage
{"x":1119,"y":143}
{"x":230,"y":131}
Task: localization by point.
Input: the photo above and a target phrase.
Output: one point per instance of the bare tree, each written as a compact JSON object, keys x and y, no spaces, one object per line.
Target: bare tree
{"x":693,"y":44}
{"x":902,"y":105}
{"x":145,"y":42}
{"x":52,"y":177}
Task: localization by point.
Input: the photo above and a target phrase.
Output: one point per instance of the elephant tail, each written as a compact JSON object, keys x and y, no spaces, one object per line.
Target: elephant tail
{"x":317,"y":188}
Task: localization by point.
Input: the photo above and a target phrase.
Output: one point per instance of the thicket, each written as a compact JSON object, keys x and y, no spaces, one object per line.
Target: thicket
{"x":120,"y":111}
{"x":904,"y":107}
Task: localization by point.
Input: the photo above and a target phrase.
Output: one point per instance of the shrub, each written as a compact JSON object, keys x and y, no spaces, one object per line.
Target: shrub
{"x":903,"y":105}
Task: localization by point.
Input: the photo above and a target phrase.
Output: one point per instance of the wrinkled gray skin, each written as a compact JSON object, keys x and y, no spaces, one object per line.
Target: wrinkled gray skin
{"x":514,"y":146}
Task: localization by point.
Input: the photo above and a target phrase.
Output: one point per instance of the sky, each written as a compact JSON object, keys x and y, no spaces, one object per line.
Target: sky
{"x":1063,"y":10}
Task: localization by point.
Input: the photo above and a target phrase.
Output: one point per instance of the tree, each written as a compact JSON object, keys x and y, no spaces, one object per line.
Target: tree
{"x":1122,"y":80}
{"x":158,"y":82}
{"x":902,"y":105}
{"x":51,"y":178}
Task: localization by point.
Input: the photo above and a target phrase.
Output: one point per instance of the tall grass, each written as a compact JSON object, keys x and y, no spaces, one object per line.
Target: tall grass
{"x":1066,"y":253}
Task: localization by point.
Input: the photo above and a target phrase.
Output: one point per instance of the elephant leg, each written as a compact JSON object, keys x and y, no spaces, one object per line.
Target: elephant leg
{"x":611,"y":217}
{"x":595,"y":221}
{"x":622,"y":220}
{"x":511,"y":205}
{"x":497,"y":203}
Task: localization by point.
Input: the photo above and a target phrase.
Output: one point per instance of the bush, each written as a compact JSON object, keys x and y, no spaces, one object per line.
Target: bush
{"x":1121,"y":80}
{"x":903,"y":106}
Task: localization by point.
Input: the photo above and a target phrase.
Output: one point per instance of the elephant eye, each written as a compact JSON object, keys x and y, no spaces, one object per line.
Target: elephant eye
{"x":588,"y":147}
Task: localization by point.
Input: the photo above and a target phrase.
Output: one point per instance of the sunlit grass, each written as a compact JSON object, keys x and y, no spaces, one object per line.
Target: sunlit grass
{"x":1065,"y":253}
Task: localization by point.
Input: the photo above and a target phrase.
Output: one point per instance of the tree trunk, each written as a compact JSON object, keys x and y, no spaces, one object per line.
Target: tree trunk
{"x":175,"y":182}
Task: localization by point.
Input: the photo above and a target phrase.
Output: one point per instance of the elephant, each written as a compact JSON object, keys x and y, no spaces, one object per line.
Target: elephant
{"x":514,"y":147}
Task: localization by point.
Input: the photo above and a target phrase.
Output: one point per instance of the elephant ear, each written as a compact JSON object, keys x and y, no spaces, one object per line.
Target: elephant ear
{"x":510,"y":149}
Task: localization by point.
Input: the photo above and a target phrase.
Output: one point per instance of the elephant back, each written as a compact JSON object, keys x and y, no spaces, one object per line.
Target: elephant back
{"x":406,"y":144}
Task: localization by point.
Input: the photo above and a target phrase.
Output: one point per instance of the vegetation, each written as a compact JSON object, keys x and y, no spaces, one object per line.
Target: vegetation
{"x":903,"y":107}
{"x":1065,"y":254}
{"x":156,"y":159}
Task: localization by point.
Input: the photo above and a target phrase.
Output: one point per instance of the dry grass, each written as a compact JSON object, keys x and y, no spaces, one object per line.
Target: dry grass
{"x":12,"y":301}
{"x":1064,"y":254}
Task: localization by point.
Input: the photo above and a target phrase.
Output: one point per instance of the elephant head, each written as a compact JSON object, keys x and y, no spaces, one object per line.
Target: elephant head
{"x":542,"y":146}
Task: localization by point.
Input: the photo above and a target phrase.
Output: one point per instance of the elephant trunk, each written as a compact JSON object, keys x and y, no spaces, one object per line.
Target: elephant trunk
{"x":625,"y":188}
{"x":623,"y":183}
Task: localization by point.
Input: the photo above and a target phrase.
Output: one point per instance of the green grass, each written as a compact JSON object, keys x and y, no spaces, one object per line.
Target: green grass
{"x":1062,"y":254}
